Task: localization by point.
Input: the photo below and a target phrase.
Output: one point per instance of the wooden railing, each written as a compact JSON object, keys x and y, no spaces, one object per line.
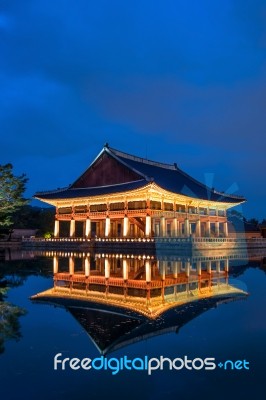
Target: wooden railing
{"x":134,"y":283}
{"x":136,"y":213}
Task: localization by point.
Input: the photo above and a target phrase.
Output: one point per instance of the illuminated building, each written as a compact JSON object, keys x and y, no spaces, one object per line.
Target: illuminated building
{"x":121,"y":195}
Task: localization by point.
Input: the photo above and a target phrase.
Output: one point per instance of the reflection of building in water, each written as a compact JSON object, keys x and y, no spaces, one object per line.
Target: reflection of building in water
{"x":143,"y":280}
{"x":111,"y":327}
{"x":141,"y":283}
{"x":121,"y":195}
{"x":122,"y":299}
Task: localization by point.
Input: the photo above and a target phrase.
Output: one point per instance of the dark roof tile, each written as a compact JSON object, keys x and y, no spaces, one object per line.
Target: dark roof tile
{"x":167,"y":176}
{"x":173,"y":179}
{"x":92,"y":191}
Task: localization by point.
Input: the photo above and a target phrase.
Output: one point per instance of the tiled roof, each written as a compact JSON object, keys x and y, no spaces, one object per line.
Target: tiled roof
{"x":173,"y":179}
{"x":92,"y":191}
{"x":167,"y":176}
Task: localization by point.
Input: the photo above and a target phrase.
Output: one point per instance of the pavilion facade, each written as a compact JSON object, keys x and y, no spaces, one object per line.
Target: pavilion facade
{"x":121,"y":195}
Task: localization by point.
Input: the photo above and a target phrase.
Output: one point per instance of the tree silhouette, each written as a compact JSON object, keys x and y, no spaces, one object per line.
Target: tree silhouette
{"x":11,"y":193}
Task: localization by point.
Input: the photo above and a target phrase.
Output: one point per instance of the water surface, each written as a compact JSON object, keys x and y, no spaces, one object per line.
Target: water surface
{"x":35,"y":332}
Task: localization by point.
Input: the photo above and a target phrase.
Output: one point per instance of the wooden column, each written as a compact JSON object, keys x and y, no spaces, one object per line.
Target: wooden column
{"x":176,"y":227}
{"x":71,"y":265}
{"x":56,"y":228}
{"x":88,"y":228}
{"x":125,"y":269}
{"x":175,"y":271}
{"x":226,"y":229}
{"x":72,"y":228}
{"x":107,"y":268}
{"x":87,"y":267}
{"x":55,"y":264}
{"x":135,"y":262}
{"x":125,"y":227}
{"x":208,"y":229}
{"x":103,"y":228}
{"x":226,"y":265}
{"x":198,"y":228}
{"x":186,"y":226}
{"x":163,"y":270}
{"x":187,"y":268}
{"x":148,"y":226}
{"x":107,"y":227}
{"x":199,"y":267}
{"x":162,"y":226}
{"x":148,"y":270}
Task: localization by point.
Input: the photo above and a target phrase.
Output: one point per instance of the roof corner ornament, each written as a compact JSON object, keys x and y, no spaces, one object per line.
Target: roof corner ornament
{"x":175,"y":165}
{"x":106,"y":145}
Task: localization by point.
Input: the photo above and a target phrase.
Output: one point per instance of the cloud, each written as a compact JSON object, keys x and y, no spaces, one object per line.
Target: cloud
{"x":42,"y":117}
{"x":217,"y":116}
{"x":182,"y":79}
{"x":81,"y":40}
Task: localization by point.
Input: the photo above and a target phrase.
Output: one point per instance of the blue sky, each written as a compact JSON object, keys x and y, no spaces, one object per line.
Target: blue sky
{"x":176,"y":81}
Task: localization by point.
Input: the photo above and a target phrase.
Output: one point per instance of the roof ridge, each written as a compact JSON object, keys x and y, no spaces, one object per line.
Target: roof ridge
{"x":58,"y":190}
{"x":142,"y":160}
{"x":106,"y":186}
{"x":69,"y":188}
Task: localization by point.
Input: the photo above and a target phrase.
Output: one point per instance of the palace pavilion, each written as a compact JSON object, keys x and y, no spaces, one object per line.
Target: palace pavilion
{"x":125,"y":196}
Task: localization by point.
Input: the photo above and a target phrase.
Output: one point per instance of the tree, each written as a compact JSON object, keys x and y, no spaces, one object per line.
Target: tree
{"x":235,"y":213}
{"x":253,"y":221}
{"x":9,"y":323}
{"x":11,"y":193}
{"x":35,"y":218}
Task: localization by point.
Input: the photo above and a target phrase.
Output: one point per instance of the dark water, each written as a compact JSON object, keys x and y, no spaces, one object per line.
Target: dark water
{"x":34,"y":333}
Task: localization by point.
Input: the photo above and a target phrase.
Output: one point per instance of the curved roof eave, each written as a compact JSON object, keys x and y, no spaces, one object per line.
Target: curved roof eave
{"x":169,"y":177}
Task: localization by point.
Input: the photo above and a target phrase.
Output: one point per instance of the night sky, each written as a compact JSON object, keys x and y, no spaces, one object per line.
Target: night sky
{"x":174,"y":81}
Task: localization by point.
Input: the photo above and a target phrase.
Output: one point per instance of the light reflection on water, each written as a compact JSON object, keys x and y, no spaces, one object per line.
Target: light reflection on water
{"x":129,"y":304}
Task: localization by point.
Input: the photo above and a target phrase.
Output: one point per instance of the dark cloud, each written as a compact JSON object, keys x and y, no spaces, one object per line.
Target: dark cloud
{"x":177,"y":80}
